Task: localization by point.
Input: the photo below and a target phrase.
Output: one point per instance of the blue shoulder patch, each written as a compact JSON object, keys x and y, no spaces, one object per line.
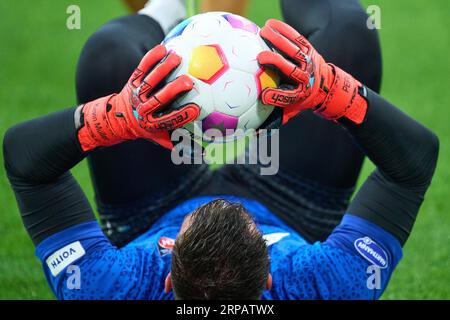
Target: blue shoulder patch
{"x":372,"y":252}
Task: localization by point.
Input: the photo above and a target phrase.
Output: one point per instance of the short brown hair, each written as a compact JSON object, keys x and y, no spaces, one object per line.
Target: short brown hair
{"x":222,"y":255}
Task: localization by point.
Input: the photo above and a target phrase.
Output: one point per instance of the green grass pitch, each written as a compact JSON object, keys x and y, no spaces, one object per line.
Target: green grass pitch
{"x":38,"y":56}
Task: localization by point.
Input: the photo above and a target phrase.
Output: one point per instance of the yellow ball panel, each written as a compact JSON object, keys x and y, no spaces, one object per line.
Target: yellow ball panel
{"x":205,"y":63}
{"x":268,"y":79}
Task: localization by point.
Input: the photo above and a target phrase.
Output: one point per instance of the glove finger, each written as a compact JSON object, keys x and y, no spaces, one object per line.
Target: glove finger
{"x":168,"y":93}
{"x":291,"y":34}
{"x":274,"y":60}
{"x":282,"y":44}
{"x":161,"y":71}
{"x":150,"y":59}
{"x":173,"y":120}
{"x":281,"y":98}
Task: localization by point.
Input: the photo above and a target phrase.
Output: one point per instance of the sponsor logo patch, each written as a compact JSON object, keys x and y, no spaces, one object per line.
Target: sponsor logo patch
{"x":165,"y":245}
{"x":372,"y":252}
{"x":64,"y":257}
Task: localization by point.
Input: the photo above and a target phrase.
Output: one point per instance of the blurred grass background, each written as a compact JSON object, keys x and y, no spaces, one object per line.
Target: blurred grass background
{"x":38,"y":57}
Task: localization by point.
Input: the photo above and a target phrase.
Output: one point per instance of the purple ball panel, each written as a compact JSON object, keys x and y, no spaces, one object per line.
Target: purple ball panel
{"x":239,"y":22}
{"x":220,"y":121}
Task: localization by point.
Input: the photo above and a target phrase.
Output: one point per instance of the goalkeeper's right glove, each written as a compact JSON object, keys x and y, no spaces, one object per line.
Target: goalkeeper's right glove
{"x":311,"y":82}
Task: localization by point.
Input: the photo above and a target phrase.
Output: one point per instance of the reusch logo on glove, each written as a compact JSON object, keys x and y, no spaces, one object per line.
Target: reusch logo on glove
{"x":170,"y":123}
{"x":372,"y":252}
{"x":276,"y":97}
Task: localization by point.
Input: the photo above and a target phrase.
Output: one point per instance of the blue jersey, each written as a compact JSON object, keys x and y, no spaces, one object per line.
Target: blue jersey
{"x":355,"y":262}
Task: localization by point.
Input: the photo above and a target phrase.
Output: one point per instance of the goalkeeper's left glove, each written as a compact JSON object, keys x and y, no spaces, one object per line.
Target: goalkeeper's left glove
{"x":312,"y":83}
{"x":139,"y":110}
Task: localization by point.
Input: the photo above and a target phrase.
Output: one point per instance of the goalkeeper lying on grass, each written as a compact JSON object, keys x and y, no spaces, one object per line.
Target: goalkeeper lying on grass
{"x":225,"y":247}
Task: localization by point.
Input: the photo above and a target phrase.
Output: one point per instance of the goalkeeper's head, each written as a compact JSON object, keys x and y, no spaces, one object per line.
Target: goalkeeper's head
{"x":219,"y":254}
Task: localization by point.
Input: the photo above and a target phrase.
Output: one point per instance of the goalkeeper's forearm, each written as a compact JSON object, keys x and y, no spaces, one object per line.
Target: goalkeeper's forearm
{"x":405,"y":153}
{"x":38,"y":155}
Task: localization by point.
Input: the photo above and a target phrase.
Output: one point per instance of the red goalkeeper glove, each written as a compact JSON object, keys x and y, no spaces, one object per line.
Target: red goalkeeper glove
{"x":138,"y":110}
{"x":313,"y":83}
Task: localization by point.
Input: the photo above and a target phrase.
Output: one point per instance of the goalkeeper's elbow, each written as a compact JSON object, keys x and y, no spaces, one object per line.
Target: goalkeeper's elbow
{"x":13,"y":162}
{"x":430,"y":151}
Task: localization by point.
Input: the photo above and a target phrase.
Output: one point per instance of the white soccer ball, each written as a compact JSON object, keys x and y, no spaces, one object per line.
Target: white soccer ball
{"x":219,"y":51}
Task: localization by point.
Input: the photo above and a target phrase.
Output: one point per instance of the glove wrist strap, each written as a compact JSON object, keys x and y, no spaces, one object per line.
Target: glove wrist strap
{"x":344,"y":99}
{"x":96,"y":130}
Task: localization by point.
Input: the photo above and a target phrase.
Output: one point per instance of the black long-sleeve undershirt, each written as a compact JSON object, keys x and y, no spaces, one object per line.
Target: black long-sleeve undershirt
{"x":405,"y":153}
{"x":39,"y":153}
